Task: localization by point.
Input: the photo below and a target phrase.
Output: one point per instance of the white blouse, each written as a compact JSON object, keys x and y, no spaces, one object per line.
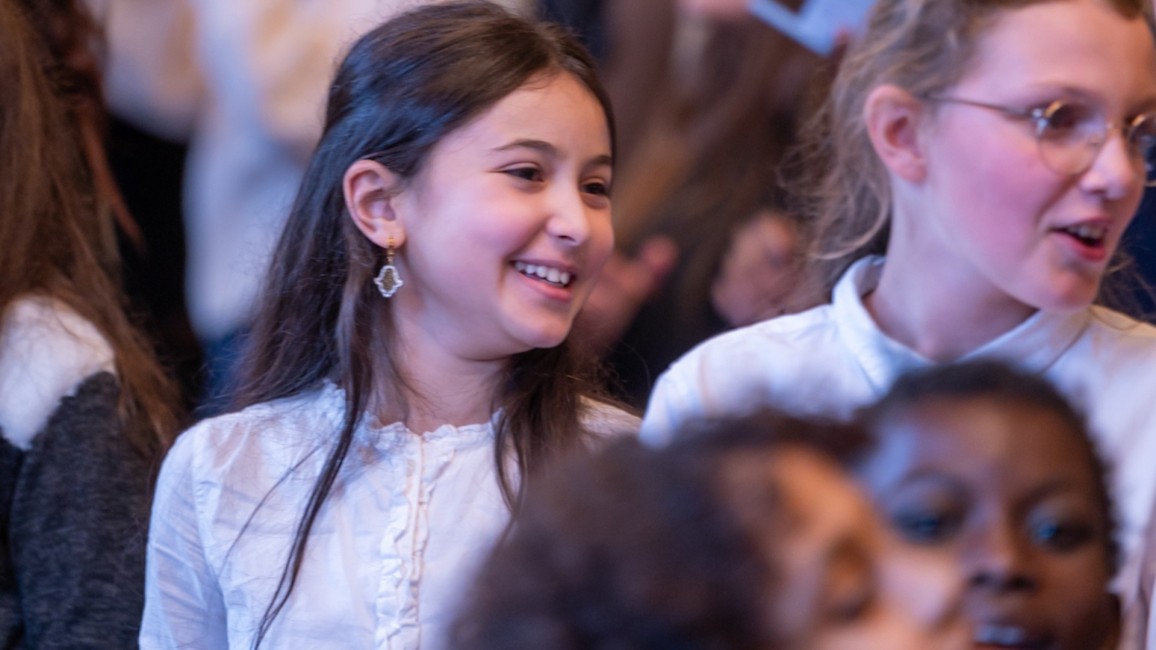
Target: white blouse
{"x":390,"y":554}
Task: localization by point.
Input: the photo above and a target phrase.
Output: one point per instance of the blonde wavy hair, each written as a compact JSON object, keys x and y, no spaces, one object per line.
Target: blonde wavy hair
{"x":923,"y":46}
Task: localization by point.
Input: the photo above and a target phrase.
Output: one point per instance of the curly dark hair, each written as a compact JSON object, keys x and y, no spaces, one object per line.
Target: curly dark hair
{"x":636,"y":547}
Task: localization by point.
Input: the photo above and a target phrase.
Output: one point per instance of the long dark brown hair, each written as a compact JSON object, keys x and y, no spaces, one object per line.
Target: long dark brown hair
{"x":402,"y":88}
{"x":58,"y":241}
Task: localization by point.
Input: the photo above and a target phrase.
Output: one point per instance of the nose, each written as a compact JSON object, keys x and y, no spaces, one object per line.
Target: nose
{"x":570,"y":218}
{"x":996,"y":559}
{"x":1115,"y":171}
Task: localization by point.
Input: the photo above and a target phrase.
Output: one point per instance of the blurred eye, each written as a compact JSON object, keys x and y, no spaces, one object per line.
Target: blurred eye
{"x":850,"y":607}
{"x":1059,"y":534}
{"x":525,"y":173}
{"x":926,"y":525}
{"x":849,"y":586}
{"x":1142,"y":136}
{"x":597,"y":188}
{"x":1062,"y":119}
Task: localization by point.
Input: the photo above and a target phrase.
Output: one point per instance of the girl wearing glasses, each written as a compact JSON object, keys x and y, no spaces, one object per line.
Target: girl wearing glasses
{"x":972,"y":172}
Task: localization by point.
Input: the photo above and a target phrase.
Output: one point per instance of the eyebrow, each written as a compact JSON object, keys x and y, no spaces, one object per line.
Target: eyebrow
{"x":1054,"y":486}
{"x":550,"y":150}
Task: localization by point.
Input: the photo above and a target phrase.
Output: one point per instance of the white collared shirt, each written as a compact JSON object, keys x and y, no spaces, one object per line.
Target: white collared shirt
{"x":833,"y":359}
{"x":391,"y":552}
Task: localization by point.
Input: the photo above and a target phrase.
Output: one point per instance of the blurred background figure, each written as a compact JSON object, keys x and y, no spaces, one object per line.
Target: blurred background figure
{"x":85,"y":410}
{"x":244,"y":84}
{"x":705,"y":238}
{"x":744,"y":534}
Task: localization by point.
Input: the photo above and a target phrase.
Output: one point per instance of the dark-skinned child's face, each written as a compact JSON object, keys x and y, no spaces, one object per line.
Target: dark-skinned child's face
{"x":1009,"y":491}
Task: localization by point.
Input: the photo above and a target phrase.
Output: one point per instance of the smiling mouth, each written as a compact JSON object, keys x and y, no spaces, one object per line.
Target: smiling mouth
{"x":1009,"y":636}
{"x":548,"y":274}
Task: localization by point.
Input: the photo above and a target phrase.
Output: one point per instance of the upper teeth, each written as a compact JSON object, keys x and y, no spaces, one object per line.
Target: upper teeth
{"x":1086,"y":231}
{"x":548,"y":273}
{"x":1000,"y":635}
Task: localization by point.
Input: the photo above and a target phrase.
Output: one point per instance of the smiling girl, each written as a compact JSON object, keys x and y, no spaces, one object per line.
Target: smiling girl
{"x":974,"y":168}
{"x":410,"y":363}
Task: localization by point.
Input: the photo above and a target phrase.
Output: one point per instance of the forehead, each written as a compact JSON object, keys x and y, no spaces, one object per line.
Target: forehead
{"x":556,"y":108}
{"x":1079,"y":45}
{"x":984,"y":441}
{"x":822,"y":500}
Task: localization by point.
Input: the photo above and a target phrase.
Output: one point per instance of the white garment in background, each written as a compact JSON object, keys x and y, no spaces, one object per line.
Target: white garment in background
{"x":392,"y":552}
{"x":46,"y":351}
{"x":834,"y":358}
{"x":245,"y":81}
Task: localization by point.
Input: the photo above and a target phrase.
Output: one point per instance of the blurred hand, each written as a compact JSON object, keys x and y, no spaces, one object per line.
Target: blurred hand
{"x":758,"y":272}
{"x":625,"y":283}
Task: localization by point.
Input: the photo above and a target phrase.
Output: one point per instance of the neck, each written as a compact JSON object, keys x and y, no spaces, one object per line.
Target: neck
{"x":442,"y":388}
{"x":941,"y":314}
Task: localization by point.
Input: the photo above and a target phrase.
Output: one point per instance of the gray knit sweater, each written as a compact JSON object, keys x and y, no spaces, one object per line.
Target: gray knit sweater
{"x":73,"y":524}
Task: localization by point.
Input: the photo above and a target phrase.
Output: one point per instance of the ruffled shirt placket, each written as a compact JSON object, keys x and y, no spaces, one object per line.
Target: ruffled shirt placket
{"x":425,"y":459}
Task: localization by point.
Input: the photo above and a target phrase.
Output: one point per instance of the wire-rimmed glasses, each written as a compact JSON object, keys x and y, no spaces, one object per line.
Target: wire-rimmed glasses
{"x":1070,"y":134}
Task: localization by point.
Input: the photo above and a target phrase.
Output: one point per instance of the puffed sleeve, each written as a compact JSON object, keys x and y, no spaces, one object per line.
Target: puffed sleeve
{"x":183,"y":603}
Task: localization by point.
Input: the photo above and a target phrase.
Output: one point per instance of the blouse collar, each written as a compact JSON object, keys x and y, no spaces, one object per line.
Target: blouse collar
{"x":1034,"y":344}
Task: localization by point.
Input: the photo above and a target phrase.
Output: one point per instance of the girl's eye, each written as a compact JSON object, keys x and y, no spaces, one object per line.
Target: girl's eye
{"x":1061,"y":119}
{"x":526,"y":173}
{"x":848,"y":584}
{"x":1142,"y":135}
{"x":1059,"y":535}
{"x":597,"y":188}
{"x":926,"y":526}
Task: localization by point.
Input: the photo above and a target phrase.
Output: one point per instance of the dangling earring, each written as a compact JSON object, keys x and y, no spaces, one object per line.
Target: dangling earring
{"x":388,"y":280}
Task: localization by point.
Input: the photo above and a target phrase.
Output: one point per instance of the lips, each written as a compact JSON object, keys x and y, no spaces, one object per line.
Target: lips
{"x":1088,"y":239}
{"x":1088,"y":234}
{"x":551,"y":275}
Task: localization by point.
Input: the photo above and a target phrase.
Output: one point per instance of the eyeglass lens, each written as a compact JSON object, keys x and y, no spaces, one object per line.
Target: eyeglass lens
{"x":1070,"y":136}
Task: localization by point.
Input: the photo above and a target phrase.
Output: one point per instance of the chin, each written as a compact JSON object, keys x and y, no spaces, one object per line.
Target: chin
{"x":542,"y":338}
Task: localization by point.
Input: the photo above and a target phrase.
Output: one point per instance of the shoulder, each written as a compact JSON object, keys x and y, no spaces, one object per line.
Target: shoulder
{"x":766,"y":363}
{"x":783,"y":342}
{"x":46,"y":351}
{"x":1116,"y":343}
{"x":1112,"y":326}
{"x":266,"y":438}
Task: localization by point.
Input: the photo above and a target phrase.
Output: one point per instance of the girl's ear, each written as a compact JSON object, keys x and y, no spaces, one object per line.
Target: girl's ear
{"x":370,"y":191}
{"x":893,"y":117}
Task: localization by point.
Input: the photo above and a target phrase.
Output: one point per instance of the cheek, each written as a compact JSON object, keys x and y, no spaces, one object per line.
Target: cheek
{"x":995,"y":185}
{"x":601,"y":243}
{"x":1004,"y":225}
{"x":1077,"y":585}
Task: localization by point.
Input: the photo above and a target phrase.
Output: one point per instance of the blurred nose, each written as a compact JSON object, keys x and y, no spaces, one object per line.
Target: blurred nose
{"x":996,"y":559}
{"x":1115,"y":171}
